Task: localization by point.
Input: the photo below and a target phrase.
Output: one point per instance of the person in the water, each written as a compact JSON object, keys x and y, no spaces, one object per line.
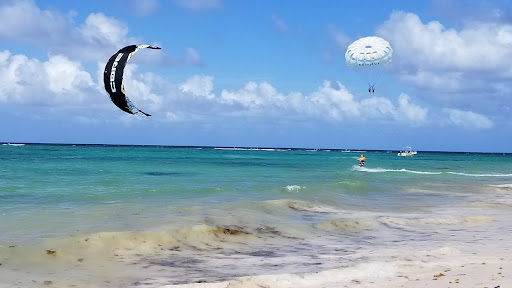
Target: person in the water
{"x":362,"y":159}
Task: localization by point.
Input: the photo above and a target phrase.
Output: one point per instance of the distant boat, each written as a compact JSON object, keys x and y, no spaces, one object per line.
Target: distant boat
{"x":407,"y":152}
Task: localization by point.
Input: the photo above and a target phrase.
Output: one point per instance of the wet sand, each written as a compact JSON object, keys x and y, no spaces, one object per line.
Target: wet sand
{"x":491,"y":272}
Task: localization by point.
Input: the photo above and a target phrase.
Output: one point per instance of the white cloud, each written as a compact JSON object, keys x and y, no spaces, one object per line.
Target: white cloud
{"x":24,"y":21}
{"x":253,"y":96}
{"x":411,"y":112}
{"x":469,"y":120}
{"x":96,"y":39}
{"x":56,"y":81}
{"x":378,"y":108}
{"x":477,"y":47}
{"x":13,"y":68}
{"x":65,"y":76}
{"x":333,"y":101}
{"x":448,"y":66}
{"x":330,"y":102}
{"x":99,"y":29}
{"x":62,"y":82}
{"x":382,"y":109}
{"x":199,"y":85}
{"x":139,"y":89}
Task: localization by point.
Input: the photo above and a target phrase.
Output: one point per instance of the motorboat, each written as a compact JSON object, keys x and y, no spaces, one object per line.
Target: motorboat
{"x":407,"y":152}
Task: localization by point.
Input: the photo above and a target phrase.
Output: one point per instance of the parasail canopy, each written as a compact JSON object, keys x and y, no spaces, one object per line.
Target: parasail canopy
{"x":369,"y":56}
{"x":113,"y":78}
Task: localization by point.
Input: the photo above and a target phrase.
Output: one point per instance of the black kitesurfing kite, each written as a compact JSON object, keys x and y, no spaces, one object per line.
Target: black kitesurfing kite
{"x":113,"y":78}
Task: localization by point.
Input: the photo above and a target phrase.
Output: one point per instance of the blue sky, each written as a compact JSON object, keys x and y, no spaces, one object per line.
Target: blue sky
{"x":259,"y":73}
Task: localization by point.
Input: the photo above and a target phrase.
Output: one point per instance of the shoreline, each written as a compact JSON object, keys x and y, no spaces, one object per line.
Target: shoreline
{"x":490,"y":272}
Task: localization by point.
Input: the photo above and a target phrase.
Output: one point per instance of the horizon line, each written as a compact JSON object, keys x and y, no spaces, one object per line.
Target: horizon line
{"x":254,"y":148}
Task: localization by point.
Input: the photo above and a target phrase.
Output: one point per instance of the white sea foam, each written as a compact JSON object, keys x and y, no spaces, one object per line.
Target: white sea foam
{"x":503,"y":186}
{"x":420,"y":221}
{"x":248,"y":149}
{"x":480,"y":175}
{"x":362,"y":275}
{"x":294,"y":187}
{"x":381,"y":170}
{"x":231,"y":149}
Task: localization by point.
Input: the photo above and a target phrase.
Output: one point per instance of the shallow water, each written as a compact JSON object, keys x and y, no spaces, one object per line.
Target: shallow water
{"x":147,"y":216}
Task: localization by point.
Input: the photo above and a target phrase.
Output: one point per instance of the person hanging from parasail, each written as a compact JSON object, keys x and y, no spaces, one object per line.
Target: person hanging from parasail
{"x":369,"y":57}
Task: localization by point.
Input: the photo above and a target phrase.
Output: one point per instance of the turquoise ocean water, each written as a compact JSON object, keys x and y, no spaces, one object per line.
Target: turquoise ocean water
{"x":123,"y":216}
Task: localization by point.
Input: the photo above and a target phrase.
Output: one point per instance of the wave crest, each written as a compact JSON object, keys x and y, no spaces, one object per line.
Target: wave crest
{"x":395,"y":222}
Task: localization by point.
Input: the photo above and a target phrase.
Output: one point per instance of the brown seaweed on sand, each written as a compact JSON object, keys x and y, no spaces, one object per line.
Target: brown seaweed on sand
{"x":229,"y":231}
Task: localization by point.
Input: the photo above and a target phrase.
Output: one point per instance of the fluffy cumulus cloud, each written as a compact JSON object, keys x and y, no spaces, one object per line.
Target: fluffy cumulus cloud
{"x":469,"y":119}
{"x":65,"y":76}
{"x":139,"y":89}
{"x":405,"y":112}
{"x":57,"y":80}
{"x":25,"y":22}
{"x":199,"y":86}
{"x":254,"y":96}
{"x":62,"y":82}
{"x":95,"y":39}
{"x":330,"y":102}
{"x":14,"y":72}
{"x":411,"y":112}
{"x":448,"y":66}
{"x":476,"y":47}
{"x":99,"y":29}
{"x":333,"y":101}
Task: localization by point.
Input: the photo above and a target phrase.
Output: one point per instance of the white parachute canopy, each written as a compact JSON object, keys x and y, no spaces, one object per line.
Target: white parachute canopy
{"x":369,"y":56}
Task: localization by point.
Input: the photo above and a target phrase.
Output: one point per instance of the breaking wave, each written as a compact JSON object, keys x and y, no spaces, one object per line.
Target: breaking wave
{"x":380,"y":170}
{"x":294,"y":187}
{"x":480,"y":175}
{"x":396,"y":222}
{"x":303,"y":206}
